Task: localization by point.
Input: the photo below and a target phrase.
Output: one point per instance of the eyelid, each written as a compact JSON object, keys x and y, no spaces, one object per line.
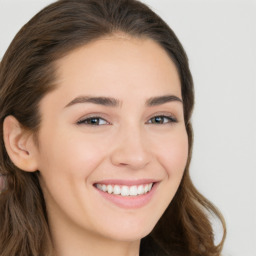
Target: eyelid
{"x":92,"y":116}
{"x":172,"y":119}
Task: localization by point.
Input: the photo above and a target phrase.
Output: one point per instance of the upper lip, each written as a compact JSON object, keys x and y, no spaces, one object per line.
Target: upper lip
{"x":126,"y":182}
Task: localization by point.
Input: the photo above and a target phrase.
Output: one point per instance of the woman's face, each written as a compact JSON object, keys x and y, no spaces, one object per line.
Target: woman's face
{"x":111,"y":129}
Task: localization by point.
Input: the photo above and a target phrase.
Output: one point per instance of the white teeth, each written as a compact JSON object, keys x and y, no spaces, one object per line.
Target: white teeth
{"x":141,"y":190}
{"x":125,"y":190}
{"x":110,"y":189}
{"x":133,"y":191}
{"x":104,"y":188}
{"x":117,"y":190}
{"x":146,"y":188}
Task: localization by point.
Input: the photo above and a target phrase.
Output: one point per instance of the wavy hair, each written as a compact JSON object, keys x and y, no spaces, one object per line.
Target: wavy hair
{"x":27,"y":74}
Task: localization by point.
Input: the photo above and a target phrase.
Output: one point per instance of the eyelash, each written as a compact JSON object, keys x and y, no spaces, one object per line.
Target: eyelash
{"x":88,"y":119}
{"x":164,"y":119}
{"x":170,"y":119}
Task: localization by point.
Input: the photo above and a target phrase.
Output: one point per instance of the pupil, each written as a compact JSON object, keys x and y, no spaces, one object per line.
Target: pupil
{"x":94,"y":121}
{"x":158,"y":119}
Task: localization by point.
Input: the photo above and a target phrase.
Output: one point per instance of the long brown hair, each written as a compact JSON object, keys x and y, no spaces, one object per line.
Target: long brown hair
{"x":27,"y":74}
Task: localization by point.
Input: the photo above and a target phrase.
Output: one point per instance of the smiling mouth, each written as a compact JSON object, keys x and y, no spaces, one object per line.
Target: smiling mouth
{"x":125,"y":191}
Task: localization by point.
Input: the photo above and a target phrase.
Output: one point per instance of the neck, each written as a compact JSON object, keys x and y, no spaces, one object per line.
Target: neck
{"x":70,"y":242}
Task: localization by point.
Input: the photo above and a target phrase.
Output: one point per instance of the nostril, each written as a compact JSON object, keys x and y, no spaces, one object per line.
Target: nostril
{"x":130,"y":158}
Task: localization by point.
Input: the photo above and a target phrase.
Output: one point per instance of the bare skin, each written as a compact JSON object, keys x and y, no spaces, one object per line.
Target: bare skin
{"x":137,"y":134}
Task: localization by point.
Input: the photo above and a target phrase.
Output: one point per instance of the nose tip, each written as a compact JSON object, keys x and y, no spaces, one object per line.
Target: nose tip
{"x":133,"y":162}
{"x":132,"y":153}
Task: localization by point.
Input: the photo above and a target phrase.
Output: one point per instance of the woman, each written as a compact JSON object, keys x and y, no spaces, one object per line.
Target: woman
{"x":96,"y":101}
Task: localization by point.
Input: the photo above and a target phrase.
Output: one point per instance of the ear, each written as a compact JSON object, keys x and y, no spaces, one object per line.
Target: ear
{"x":20,"y":145}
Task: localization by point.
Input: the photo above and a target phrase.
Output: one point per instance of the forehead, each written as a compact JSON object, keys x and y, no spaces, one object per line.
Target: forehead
{"x":114,"y":64}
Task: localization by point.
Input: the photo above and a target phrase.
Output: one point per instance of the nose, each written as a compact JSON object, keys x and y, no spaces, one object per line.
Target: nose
{"x":131,"y":149}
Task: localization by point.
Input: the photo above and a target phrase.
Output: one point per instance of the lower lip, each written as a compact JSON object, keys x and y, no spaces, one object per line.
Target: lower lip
{"x":129,"y":202}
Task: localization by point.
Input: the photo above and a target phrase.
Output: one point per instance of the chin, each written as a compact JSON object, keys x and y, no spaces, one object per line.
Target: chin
{"x":128,"y":233}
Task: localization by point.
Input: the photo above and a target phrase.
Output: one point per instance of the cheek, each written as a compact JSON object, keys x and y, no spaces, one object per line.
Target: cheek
{"x":66,"y":166}
{"x":174,"y":154}
{"x":69,"y":154}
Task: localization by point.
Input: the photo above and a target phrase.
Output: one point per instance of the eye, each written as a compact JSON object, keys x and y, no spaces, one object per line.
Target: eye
{"x":162,"y":120}
{"x":93,"y":121}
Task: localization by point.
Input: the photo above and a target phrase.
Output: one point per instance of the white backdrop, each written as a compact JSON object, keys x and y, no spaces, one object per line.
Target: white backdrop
{"x":220,"y":39}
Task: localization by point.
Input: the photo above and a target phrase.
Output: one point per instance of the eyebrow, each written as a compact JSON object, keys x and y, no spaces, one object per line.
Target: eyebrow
{"x":155,"y":101}
{"x":112,"y":102}
{"x":105,"y":101}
